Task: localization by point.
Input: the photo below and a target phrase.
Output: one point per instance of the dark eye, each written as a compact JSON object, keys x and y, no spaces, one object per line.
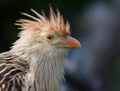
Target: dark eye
{"x":50,"y":37}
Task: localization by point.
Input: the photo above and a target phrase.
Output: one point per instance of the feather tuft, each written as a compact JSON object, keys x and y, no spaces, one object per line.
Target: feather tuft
{"x":54,"y":23}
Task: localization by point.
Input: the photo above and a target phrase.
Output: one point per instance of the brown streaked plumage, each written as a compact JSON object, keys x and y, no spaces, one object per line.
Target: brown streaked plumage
{"x":35,"y":61}
{"x":12,"y":72}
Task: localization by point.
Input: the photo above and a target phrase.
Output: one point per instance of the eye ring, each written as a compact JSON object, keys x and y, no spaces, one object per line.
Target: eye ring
{"x":50,"y":37}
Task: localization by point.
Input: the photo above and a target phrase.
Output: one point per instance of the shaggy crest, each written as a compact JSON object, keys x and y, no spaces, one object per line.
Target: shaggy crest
{"x":54,"y":23}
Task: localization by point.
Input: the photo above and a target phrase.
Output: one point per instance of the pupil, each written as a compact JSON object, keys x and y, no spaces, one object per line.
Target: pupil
{"x":49,"y":37}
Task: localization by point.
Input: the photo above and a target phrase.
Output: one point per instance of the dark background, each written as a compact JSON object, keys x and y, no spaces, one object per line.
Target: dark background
{"x":96,"y":23}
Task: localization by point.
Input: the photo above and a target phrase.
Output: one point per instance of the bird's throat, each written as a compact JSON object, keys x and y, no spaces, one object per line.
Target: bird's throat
{"x":47,"y":71}
{"x":45,"y":66}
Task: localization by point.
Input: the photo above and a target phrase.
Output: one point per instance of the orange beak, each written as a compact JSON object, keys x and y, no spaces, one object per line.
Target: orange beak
{"x":69,"y":42}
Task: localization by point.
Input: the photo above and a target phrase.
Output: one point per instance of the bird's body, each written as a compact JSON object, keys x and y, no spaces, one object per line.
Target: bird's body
{"x":24,"y":70}
{"x":35,"y":61}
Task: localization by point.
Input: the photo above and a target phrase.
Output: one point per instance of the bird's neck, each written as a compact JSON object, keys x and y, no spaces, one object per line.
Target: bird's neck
{"x":45,"y":68}
{"x":47,"y":72}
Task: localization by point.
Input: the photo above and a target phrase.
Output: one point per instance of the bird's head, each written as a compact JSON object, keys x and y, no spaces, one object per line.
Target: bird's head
{"x":52,"y":31}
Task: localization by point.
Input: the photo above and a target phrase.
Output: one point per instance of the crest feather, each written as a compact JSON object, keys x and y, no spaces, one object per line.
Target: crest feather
{"x":54,"y":23}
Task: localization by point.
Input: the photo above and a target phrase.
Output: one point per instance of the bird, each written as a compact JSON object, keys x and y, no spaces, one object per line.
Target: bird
{"x":35,"y":60}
